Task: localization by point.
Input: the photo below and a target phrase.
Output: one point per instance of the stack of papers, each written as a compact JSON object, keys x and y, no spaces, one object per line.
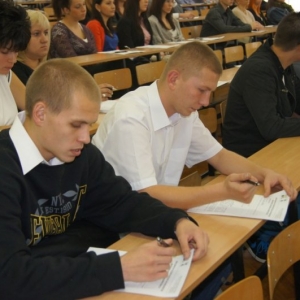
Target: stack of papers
{"x":272,"y":208}
{"x":207,"y":39}
{"x":167,"y":287}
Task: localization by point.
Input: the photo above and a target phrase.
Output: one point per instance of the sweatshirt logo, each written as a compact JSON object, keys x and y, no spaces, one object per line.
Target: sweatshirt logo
{"x":54,"y":215}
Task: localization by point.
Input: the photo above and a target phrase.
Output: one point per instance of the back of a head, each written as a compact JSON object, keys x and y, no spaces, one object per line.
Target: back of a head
{"x":192,"y":58}
{"x":58,"y":5}
{"x":55,"y":82}
{"x":14,"y":26}
{"x":287,"y":36}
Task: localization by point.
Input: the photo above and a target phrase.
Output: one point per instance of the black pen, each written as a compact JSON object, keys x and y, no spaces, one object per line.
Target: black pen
{"x":251,"y":182}
{"x":161,"y":242}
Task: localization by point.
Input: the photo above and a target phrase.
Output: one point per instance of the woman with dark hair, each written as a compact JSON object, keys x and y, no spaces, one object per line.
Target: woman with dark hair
{"x":120,"y":8}
{"x":255,"y":8}
{"x":14,"y":37}
{"x":102,"y":25}
{"x":164,"y":27}
{"x":69,"y":37}
{"x":134,"y":28}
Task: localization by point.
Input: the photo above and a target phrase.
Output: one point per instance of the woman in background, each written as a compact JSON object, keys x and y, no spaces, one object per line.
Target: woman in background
{"x":37,"y":49}
{"x":102,"y":25}
{"x":255,"y":8}
{"x":120,"y":8}
{"x":134,"y":29}
{"x":246,"y":17}
{"x":14,"y":37}
{"x":69,"y":37}
{"x":164,"y":27}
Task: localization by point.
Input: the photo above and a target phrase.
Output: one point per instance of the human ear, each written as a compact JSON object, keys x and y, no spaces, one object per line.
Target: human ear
{"x":39,"y":112}
{"x":172,"y":78}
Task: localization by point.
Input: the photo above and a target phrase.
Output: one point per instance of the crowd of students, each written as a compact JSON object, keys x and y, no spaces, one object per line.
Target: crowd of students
{"x":54,"y":175}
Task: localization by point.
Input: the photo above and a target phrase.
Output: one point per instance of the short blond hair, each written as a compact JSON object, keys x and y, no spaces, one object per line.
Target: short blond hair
{"x":36,"y":17}
{"x":191,"y":58}
{"x":55,"y":82}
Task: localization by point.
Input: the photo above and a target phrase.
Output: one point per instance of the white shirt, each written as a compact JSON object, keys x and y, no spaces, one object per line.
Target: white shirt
{"x":8,"y":106}
{"x":28,"y":152}
{"x":147,"y":147}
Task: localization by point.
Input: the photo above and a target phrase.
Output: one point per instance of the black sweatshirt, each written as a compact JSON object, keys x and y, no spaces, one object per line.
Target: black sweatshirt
{"x":38,"y":258}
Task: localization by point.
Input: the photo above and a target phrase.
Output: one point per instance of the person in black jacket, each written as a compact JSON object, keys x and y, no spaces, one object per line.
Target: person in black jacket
{"x":264,"y":105}
{"x":59,"y":196}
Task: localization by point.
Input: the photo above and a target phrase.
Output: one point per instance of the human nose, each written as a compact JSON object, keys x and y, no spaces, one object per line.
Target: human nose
{"x":205,"y":99}
{"x":84,"y":136}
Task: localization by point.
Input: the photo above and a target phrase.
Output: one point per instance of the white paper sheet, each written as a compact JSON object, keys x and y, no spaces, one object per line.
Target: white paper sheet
{"x":156,"y":46}
{"x":122,"y":52}
{"x":272,"y":208}
{"x":207,"y":39}
{"x":221,"y":82}
{"x":167,"y":287}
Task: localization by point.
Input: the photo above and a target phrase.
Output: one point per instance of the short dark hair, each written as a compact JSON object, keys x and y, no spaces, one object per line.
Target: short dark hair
{"x":59,"y":5}
{"x":287,"y":36}
{"x":14,"y":26}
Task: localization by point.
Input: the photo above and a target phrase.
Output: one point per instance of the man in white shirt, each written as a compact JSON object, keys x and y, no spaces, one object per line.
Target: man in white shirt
{"x":151,"y":133}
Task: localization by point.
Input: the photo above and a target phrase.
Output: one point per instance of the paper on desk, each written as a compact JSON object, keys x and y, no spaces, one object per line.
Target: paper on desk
{"x":207,"y":39}
{"x":105,"y":106}
{"x":122,"y":52}
{"x":272,"y":208}
{"x":167,"y":287}
{"x":156,"y":46}
{"x":221,"y":82}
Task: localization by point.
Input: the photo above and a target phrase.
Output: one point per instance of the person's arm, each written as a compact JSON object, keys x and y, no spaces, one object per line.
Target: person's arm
{"x":18,"y":91}
{"x":98,"y":32}
{"x":215,"y":19}
{"x":235,"y":163}
{"x":156,"y":31}
{"x":177,"y":25}
{"x":267,"y":103}
{"x":61,"y":46}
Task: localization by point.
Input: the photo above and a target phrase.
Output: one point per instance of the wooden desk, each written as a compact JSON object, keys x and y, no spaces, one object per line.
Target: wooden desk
{"x":101,"y":57}
{"x":195,"y":5}
{"x":195,"y":19}
{"x":226,"y":234}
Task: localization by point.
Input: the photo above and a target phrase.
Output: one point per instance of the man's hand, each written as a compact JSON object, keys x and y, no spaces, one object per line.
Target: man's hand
{"x":106,"y":91}
{"x":191,"y":236}
{"x":278,"y":182}
{"x":237,"y":189}
{"x":148,"y":262}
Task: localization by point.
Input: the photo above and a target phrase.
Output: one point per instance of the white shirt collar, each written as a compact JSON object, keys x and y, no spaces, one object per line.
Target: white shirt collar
{"x":159,"y":116}
{"x":28,"y":152}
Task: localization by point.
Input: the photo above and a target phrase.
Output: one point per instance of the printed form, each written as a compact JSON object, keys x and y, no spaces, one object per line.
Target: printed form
{"x":272,"y":208}
{"x":167,"y":287}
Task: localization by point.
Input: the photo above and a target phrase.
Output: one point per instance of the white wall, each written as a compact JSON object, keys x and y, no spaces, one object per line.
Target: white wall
{"x":294,"y":3}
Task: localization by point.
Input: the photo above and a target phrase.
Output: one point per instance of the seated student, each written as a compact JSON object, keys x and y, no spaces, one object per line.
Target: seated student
{"x":246,"y":17}
{"x":258,"y":113}
{"x":164,"y":27}
{"x":37,"y":51}
{"x":134,"y":29}
{"x":178,"y":11}
{"x":14,"y":36}
{"x":37,"y":48}
{"x":220,"y":19}
{"x":60,"y":197}
{"x":68,"y":36}
{"x":101,"y":25}
{"x":120,"y":8}
{"x":160,"y":131}
{"x":255,"y":8}
{"x":276,"y":10}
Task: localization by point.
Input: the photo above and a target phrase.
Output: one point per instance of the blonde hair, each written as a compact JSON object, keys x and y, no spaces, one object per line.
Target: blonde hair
{"x":192,"y":58}
{"x":36,"y":17}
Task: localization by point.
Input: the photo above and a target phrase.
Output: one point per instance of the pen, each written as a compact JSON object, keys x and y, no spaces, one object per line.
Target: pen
{"x":161,"y":242}
{"x":112,"y":88}
{"x":251,"y":182}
